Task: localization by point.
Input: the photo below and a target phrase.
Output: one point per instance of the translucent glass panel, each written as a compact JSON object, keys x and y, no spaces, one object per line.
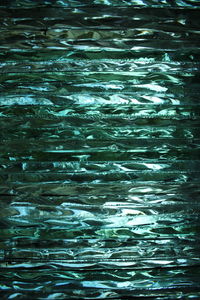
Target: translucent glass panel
{"x":99,"y":154}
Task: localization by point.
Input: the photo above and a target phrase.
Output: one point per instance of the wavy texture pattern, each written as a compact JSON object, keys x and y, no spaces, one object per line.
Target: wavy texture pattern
{"x":99,"y":159}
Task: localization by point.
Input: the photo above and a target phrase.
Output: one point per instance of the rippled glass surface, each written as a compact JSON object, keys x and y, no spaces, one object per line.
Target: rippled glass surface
{"x":99,"y":153}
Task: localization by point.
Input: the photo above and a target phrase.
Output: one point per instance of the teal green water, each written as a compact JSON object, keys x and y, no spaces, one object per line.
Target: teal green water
{"x":100,"y":149}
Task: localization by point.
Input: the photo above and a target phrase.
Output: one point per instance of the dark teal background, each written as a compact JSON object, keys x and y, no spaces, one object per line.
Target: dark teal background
{"x":99,"y":153}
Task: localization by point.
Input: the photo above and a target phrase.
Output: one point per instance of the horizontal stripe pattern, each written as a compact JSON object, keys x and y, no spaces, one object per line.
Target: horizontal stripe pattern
{"x":99,"y":154}
{"x":74,"y":3}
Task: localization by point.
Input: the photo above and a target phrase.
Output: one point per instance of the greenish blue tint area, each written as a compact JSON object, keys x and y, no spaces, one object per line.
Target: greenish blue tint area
{"x":100,"y":149}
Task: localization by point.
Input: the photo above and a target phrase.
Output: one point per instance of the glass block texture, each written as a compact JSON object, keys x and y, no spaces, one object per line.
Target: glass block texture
{"x":99,"y":153}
